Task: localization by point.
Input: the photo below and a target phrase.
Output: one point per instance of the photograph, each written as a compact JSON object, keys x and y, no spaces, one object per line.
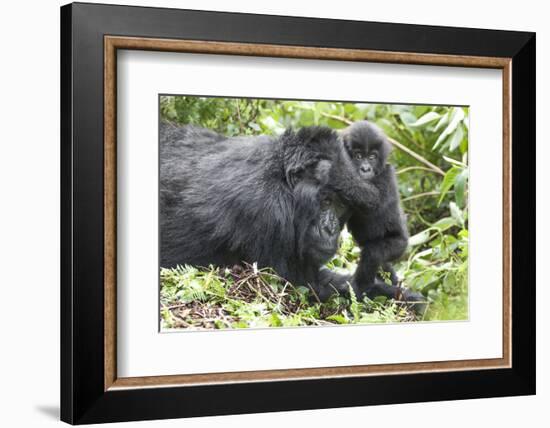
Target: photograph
{"x":295,"y":213}
{"x":283,"y":210}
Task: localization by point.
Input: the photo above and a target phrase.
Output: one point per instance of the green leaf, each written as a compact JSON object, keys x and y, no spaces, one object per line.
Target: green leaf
{"x":427,"y":252}
{"x":448,"y":182}
{"x":380,"y":299}
{"x":460,"y":184}
{"x":441,"y":225}
{"x":255,"y":126}
{"x":407,"y":118}
{"x":272,"y":125}
{"x":275,"y":320}
{"x":456,"y":138}
{"x":419,"y":238}
{"x":456,"y":117}
{"x":442,"y":122}
{"x":429,"y":117}
{"x":456,"y":212}
{"x":354,"y":306}
{"x":444,"y":224}
{"x":340,"y":319}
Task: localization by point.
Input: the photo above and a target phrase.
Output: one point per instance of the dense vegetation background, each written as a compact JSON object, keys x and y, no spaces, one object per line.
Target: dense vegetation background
{"x":430,"y":156}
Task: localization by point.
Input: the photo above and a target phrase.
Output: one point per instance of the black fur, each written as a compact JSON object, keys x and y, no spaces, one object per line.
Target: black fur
{"x":381,"y":230}
{"x":268,"y":200}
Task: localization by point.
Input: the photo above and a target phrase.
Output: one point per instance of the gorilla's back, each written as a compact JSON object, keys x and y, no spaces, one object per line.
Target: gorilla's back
{"x":212,"y":191}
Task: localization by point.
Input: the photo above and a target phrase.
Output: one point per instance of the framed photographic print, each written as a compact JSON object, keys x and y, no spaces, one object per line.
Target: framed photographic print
{"x":265,"y":213}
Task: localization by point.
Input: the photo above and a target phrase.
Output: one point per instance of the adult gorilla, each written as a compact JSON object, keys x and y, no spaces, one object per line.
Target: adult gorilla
{"x":277,"y":201}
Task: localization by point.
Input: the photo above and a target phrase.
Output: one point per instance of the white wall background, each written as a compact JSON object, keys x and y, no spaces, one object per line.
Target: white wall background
{"x":29,"y":218}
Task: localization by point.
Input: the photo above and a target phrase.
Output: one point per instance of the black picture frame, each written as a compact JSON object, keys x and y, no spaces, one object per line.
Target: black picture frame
{"x":83,"y":396}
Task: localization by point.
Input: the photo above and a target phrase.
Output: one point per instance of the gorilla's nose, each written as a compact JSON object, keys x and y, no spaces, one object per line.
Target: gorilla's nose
{"x":366,"y":168}
{"x":332,"y":227}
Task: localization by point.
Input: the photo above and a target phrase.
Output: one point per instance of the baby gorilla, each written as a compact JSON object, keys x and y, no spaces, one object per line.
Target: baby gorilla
{"x":381,"y":231}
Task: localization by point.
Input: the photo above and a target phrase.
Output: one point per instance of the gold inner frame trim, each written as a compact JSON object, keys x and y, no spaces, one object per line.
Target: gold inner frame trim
{"x":113,"y":43}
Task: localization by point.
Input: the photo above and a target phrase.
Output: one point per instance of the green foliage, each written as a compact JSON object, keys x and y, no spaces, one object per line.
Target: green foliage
{"x":229,"y":116}
{"x":212,"y":298}
{"x":431,"y":158}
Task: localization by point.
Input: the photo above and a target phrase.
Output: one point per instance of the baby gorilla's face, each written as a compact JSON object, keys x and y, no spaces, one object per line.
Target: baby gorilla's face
{"x":367,"y":147}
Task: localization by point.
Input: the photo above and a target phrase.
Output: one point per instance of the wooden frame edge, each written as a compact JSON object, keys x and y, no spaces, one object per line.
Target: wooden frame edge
{"x":301,"y":52}
{"x":507,"y":213}
{"x":300,"y":374}
{"x":109,"y":198}
{"x":112,"y":43}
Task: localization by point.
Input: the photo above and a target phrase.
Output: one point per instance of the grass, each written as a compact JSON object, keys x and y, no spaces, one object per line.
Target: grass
{"x":214,"y":298}
{"x":198,"y":298}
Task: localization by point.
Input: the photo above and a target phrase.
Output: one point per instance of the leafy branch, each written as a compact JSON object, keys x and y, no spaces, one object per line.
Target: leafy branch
{"x":395,"y":143}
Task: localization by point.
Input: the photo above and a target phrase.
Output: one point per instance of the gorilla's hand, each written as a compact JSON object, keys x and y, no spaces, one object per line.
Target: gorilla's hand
{"x":358,"y":194}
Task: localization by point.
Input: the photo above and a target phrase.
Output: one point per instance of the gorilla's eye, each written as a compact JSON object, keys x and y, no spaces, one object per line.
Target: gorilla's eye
{"x":373,"y":156}
{"x":358,"y":155}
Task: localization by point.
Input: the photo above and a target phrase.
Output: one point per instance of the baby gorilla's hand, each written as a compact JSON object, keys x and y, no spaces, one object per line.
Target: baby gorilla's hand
{"x":387,"y":173}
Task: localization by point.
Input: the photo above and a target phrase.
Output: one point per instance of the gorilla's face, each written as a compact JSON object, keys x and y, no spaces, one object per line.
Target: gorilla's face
{"x":367,"y":147}
{"x":324,"y":230}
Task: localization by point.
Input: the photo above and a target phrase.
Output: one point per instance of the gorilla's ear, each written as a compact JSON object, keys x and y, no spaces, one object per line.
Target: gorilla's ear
{"x":293,"y":177}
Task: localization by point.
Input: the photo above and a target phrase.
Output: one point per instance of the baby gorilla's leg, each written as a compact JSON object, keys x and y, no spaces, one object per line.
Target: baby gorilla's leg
{"x":367,"y":267}
{"x":378,"y":254}
{"x":366,"y":283}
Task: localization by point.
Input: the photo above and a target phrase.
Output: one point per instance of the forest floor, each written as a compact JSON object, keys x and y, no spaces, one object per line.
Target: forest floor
{"x":246,"y":297}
